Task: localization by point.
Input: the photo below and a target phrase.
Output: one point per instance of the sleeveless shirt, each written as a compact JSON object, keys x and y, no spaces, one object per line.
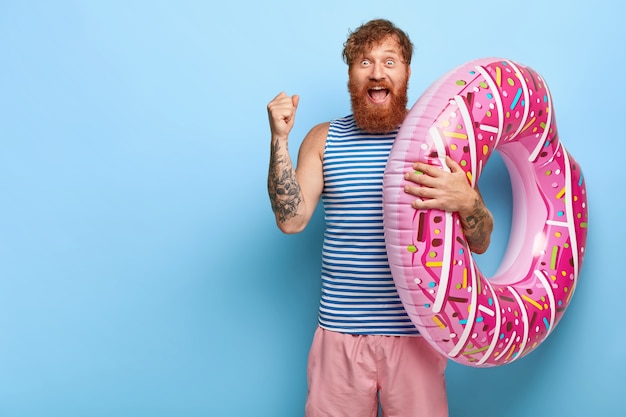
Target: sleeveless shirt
{"x":358,"y":295}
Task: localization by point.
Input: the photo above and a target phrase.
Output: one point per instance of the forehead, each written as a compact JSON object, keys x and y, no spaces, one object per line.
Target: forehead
{"x":388,"y":45}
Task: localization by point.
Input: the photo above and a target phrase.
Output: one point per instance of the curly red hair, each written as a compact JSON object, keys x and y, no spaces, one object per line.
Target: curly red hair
{"x":371,"y":33}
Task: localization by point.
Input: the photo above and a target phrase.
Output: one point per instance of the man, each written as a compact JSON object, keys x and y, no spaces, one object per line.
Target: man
{"x":365,"y":347}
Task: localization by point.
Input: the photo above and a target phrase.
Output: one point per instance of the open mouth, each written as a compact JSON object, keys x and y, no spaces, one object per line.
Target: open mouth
{"x":378,"y":94}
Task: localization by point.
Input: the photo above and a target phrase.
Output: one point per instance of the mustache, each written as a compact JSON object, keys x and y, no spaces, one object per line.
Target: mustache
{"x":378,"y":84}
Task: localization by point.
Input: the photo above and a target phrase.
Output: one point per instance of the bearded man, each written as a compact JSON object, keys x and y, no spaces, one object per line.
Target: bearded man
{"x":366,"y":352}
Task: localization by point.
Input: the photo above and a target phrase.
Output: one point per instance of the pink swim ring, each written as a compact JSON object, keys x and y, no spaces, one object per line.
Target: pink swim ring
{"x":482,"y":106}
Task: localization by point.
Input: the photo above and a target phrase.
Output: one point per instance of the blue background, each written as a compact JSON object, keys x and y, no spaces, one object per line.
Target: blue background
{"x":141,"y":273}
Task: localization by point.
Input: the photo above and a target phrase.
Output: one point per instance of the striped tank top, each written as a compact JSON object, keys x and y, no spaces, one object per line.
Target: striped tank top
{"x":358,"y":292}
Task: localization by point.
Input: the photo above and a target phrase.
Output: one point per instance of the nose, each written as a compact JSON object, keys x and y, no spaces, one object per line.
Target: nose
{"x":378,"y":71}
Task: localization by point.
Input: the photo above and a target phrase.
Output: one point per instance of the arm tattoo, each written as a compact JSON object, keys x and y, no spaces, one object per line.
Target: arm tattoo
{"x":282,"y":186}
{"x":475,"y":227}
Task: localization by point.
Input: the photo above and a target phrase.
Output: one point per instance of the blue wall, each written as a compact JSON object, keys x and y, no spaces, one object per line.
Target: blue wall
{"x":141,"y":273}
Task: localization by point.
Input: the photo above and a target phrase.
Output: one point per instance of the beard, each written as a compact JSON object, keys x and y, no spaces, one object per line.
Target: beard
{"x":378,"y":119}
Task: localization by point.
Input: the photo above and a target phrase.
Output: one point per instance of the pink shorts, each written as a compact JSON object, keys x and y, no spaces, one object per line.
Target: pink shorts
{"x":347,"y":374}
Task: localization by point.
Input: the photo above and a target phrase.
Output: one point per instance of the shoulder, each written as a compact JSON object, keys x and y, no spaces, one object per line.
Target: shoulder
{"x":315,"y":140}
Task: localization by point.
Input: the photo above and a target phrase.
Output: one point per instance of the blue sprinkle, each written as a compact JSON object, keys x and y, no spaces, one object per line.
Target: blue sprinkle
{"x":516,"y":99}
{"x":560,"y":213}
{"x":432,"y":284}
{"x":479,"y":320}
{"x":490,"y":301}
{"x":464,"y":321}
{"x":545,"y":321}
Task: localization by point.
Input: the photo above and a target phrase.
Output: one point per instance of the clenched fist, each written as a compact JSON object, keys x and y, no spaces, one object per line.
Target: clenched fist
{"x":282,"y":113}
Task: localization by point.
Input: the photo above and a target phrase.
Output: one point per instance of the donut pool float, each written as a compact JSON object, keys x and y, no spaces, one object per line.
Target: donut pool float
{"x":478,"y":107}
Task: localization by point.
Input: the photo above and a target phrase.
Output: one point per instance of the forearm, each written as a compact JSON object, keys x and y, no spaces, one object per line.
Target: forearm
{"x":477,"y":224}
{"x":283,"y":188}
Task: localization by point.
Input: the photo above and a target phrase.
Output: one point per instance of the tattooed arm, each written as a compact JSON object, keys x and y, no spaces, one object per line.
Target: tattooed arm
{"x":451,"y":191}
{"x":293,"y":192}
{"x":477,"y":225}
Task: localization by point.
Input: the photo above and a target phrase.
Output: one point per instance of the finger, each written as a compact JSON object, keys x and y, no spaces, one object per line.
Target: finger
{"x":420,"y":191}
{"x":427,"y":169}
{"x":420,"y":178}
{"x":426,"y":204}
{"x":281,"y":107}
{"x":452,"y":164}
{"x":295,"y":99}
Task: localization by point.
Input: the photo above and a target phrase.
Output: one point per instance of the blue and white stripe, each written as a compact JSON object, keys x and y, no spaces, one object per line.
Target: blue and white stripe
{"x":358,"y":292}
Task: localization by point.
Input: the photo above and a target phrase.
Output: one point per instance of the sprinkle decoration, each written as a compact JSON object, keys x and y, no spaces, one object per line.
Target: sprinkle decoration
{"x":480,"y":107}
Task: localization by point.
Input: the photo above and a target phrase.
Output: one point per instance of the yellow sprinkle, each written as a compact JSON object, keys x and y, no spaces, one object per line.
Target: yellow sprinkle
{"x":510,"y":352}
{"x":438,"y":322}
{"x":561,"y":193}
{"x":529,"y":123}
{"x":433,"y":264}
{"x":533,"y":302}
{"x":455,"y":135}
{"x":471,"y":352}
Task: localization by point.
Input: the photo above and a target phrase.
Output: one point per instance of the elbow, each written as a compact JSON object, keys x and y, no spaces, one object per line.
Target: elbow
{"x":481,"y":248}
{"x":290,"y":228}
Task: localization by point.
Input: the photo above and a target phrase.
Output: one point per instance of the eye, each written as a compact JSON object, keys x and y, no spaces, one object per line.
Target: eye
{"x":390,"y":62}
{"x":365,"y":62}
